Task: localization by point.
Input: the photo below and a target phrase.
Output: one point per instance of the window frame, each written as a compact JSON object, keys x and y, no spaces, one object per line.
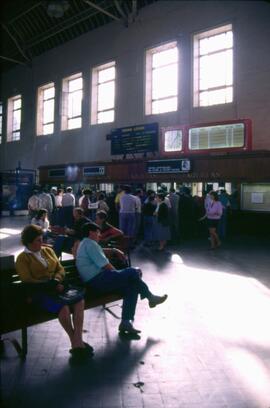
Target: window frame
{"x":196,"y":64}
{"x":10,"y":118}
{"x":148,"y":105}
{"x":40,"y":109}
{"x":175,"y":152}
{"x":94,"y":92}
{"x":1,"y":122}
{"x":65,"y":102}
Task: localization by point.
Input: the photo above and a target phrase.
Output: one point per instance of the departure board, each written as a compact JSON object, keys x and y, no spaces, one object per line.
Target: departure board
{"x":134,"y":139}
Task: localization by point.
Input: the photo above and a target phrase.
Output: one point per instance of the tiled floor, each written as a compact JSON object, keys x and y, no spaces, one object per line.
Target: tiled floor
{"x":208,"y":346}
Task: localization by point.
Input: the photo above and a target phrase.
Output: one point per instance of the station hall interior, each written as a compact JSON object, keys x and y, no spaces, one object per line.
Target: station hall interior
{"x":166,"y":97}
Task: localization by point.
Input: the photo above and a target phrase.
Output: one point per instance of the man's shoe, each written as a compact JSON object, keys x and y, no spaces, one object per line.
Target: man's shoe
{"x":127,"y":328}
{"x":157,"y":300}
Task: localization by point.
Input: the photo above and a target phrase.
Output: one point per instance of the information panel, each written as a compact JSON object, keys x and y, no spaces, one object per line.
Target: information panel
{"x":168,"y":166}
{"x":134,"y":139}
{"x":94,"y":171}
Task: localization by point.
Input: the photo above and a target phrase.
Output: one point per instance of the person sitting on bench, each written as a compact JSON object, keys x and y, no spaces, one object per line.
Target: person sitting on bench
{"x":65,"y":243}
{"x":107,"y":231}
{"x":96,"y":271}
{"x":39,"y":267}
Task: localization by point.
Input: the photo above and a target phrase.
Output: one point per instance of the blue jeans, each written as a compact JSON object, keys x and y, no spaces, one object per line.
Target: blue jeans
{"x":127,"y":282}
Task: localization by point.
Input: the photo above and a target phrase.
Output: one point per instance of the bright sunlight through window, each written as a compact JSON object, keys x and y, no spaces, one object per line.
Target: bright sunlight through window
{"x":162,"y":79}
{"x":213,"y":67}
{"x":45,"y":112}
{"x":14,"y":118}
{"x":103,"y":93}
{"x":72,"y":102}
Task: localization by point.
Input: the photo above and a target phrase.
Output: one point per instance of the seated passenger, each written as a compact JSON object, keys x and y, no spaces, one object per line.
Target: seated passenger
{"x":41,"y":219}
{"x":39,"y":267}
{"x":64,"y":243}
{"x":107,"y":231}
{"x":96,"y":271}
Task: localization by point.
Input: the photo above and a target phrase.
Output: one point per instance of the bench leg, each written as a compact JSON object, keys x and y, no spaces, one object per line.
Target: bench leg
{"x":108,"y":309}
{"x":24,"y":342}
{"x":21,"y":349}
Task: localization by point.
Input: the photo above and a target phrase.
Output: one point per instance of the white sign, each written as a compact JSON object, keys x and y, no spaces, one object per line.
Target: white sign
{"x":257,"y":198}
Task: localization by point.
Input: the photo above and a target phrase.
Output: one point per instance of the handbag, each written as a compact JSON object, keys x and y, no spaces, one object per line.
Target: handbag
{"x":72,"y":295}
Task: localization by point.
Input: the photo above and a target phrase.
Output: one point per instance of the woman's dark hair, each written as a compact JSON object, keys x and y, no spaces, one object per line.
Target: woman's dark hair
{"x":41,"y":212}
{"x":161,"y":196}
{"x":30,"y":233}
{"x":214,"y":194}
{"x":102,"y":215}
{"x":101,"y":196}
{"x":89,"y":226}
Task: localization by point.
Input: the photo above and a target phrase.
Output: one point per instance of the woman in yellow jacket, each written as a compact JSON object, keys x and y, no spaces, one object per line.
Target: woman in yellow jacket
{"x":39,"y":267}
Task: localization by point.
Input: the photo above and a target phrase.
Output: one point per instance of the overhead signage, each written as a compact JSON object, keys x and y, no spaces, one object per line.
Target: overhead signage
{"x":134,"y":139}
{"x":169,"y":166}
{"x":94,"y":171}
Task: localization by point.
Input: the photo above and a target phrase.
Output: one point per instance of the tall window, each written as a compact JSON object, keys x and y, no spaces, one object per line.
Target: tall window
{"x":14,"y":118}
{"x":103,"y":93}
{"x":161,"y":90}
{"x":1,"y":121}
{"x":45,"y":109}
{"x":213,"y":66}
{"x":72,"y":102}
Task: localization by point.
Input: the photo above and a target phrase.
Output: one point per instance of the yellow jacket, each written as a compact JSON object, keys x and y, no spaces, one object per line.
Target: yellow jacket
{"x":31,"y":270}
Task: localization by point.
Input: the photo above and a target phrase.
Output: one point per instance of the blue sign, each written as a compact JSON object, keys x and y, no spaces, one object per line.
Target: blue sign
{"x":168,"y":166}
{"x":134,"y":139}
{"x":94,"y":171}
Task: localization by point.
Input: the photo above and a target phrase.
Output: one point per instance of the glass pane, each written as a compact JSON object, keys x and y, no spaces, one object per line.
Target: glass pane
{"x":1,"y":126}
{"x":16,"y":123}
{"x":106,"y":117}
{"x":1,"y":108}
{"x":48,"y":111}
{"x":216,"y":97}
{"x":173,"y":140}
{"x":75,"y":104}
{"x":74,"y":123}
{"x":165,"y":57}
{"x":106,"y":96}
{"x":217,"y":137}
{"x":17,"y":103}
{"x":16,"y":135}
{"x":48,"y":129}
{"x":216,"y":42}
{"x":164,"y":82}
{"x":75,"y":84}
{"x":48,"y":93}
{"x":106,"y":74}
{"x":165,"y":105}
{"x":216,"y":70}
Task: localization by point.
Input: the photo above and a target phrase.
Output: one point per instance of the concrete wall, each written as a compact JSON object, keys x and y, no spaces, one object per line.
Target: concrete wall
{"x":161,"y":22}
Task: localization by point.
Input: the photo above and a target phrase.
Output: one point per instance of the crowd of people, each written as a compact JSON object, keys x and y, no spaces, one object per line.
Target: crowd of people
{"x":155,"y":218}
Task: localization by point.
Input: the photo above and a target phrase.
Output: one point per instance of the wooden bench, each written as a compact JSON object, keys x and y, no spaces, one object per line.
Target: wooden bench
{"x":18,"y":314}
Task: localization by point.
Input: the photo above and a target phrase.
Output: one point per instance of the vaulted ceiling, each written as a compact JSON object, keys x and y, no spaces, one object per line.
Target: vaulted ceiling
{"x":31,"y":27}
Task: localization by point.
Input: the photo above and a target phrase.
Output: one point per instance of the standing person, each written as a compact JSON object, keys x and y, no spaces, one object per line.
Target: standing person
{"x":38,"y":267}
{"x":96,"y":271}
{"x":101,"y":203}
{"x":46,"y":201}
{"x":127,"y":212}
{"x":213,"y":214}
{"x":68,"y":204}
{"x":53,"y":194}
{"x":138,"y":212}
{"x":85,"y":201}
{"x":148,"y":211}
{"x":163,"y":233}
{"x":222,"y":226}
{"x":174,"y":201}
{"x":33,"y":204}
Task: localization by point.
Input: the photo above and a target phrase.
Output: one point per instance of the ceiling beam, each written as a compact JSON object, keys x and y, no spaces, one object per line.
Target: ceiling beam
{"x":16,"y":42}
{"x":102,"y":10}
{"x":13,"y":60}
